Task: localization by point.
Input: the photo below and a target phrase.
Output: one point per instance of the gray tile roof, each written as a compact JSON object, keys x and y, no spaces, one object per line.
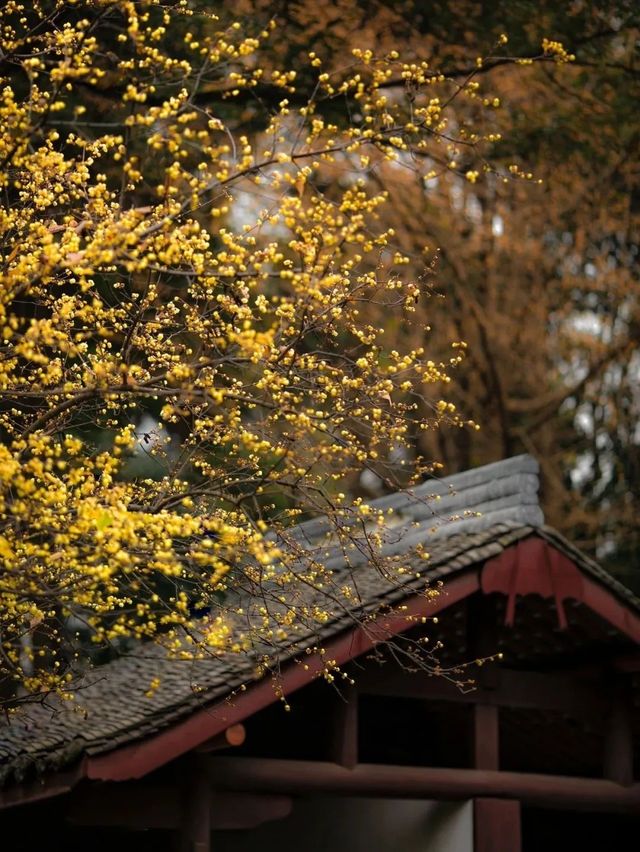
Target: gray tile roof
{"x":112,"y":706}
{"x":472,"y":500}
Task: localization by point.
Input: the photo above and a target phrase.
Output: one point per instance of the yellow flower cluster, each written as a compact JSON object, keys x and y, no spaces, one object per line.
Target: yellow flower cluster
{"x":557,"y":50}
{"x":141,"y":279}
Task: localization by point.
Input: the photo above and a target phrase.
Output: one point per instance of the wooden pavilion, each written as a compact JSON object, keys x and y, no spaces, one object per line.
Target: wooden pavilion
{"x":538,"y":755}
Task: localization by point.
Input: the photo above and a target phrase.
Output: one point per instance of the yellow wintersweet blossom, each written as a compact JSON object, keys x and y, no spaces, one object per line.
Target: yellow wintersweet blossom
{"x":167,"y":254}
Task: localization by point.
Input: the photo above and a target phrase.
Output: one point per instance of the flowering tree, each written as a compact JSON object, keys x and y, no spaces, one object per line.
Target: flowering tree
{"x":169,"y":257}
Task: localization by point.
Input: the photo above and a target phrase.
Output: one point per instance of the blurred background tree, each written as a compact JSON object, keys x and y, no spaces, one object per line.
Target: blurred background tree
{"x":541,"y":280}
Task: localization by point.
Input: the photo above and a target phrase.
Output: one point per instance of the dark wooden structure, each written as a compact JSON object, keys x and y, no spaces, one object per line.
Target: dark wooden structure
{"x":544,"y":748}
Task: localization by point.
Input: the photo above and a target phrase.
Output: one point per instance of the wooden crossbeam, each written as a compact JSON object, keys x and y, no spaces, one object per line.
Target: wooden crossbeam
{"x":627,"y":663}
{"x":234,"y":735}
{"x":382,"y":781}
{"x":142,"y":805}
{"x":565,"y":693}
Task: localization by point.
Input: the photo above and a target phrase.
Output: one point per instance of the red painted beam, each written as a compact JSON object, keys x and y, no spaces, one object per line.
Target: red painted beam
{"x":381,"y":781}
{"x":534,"y":567}
{"x":138,"y":759}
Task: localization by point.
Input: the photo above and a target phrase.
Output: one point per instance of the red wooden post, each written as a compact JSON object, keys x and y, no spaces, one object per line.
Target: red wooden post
{"x":496,"y":825}
{"x":344,"y":745}
{"x":195,"y":830}
{"x":482,"y":641}
{"x":618,"y":743}
{"x":486,"y":739}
